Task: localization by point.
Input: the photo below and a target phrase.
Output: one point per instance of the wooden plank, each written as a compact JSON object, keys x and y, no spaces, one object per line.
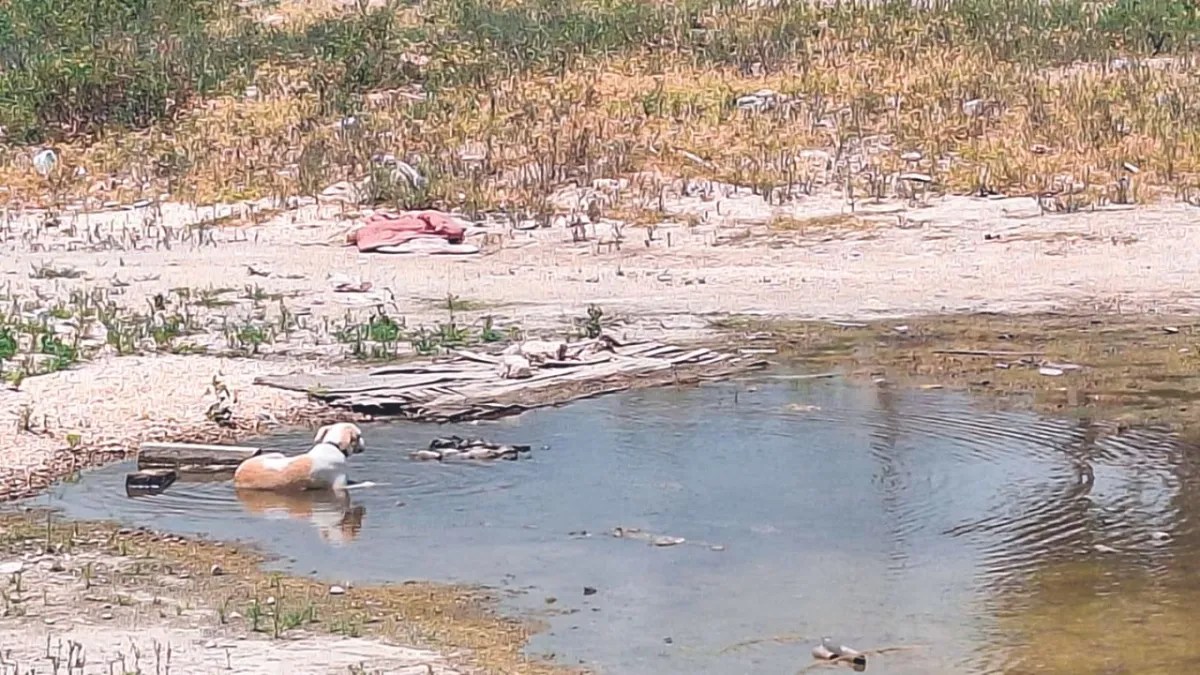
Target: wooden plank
{"x":689,"y":356}
{"x":553,"y":363}
{"x":640,"y":348}
{"x":177,"y":455}
{"x":479,"y":358}
{"x":981,"y":352}
{"x":427,"y":368}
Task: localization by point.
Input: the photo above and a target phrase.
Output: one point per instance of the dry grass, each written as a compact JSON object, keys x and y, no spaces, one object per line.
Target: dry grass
{"x":498,"y":119}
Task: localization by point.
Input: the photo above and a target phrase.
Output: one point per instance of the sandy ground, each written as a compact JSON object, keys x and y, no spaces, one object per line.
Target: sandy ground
{"x":88,"y":611}
{"x":955,"y":255}
{"x":725,"y":256}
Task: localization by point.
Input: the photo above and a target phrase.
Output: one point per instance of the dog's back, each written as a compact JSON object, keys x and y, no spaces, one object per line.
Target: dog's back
{"x":274,"y":471}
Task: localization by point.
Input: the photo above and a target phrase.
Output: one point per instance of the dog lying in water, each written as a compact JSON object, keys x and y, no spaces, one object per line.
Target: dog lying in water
{"x":321,"y":468}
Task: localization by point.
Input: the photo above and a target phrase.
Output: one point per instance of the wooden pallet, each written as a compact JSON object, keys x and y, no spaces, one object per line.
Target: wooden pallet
{"x":467,"y":385}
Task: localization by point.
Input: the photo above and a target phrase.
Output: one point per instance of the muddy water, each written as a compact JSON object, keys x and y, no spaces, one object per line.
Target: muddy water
{"x":992,"y":542}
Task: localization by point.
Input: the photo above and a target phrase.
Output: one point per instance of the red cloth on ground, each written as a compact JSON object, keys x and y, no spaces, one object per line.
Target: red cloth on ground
{"x":391,"y":229}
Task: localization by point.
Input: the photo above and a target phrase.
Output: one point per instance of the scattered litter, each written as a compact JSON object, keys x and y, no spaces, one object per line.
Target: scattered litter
{"x":1170,"y":330}
{"x":1050,"y":372}
{"x":661,"y":541}
{"x":44,"y":162}
{"x":149,"y":481}
{"x":829,"y":650}
{"x":393,"y":232}
{"x":1160,"y":536}
{"x":801,"y":407}
{"x":456,"y":447}
{"x":344,"y":284}
{"x":761,"y":100}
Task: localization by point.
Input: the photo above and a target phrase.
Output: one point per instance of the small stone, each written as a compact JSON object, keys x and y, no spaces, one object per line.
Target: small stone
{"x":271,"y":600}
{"x":337,"y":590}
{"x":49,"y":622}
{"x":216,"y":571}
{"x":211,"y":644}
{"x":716,"y":547}
{"x":106,"y":616}
{"x":56,"y":566}
{"x":1101,"y":548}
{"x":668,"y":541}
{"x":588,"y":590}
{"x":551,"y":600}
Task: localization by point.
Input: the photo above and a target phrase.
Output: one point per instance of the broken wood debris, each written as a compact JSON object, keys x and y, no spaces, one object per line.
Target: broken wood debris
{"x":468,"y":386}
{"x":149,"y":481}
{"x":456,"y":447}
{"x":193,"y":457}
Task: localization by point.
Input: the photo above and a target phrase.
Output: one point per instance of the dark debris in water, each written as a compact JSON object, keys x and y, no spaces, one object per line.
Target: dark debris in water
{"x":457,"y":447}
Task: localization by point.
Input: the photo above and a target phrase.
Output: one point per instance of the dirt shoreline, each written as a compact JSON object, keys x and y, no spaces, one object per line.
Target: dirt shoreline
{"x":724,"y":273}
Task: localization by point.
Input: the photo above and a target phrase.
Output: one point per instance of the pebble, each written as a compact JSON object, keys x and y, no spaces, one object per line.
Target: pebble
{"x":49,"y":622}
{"x":216,"y":571}
{"x":106,"y":616}
{"x":588,"y":590}
{"x":716,"y":547}
{"x":337,"y":590}
{"x":1101,"y":548}
{"x":211,"y":644}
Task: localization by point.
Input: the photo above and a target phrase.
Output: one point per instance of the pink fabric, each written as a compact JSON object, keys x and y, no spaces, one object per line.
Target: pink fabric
{"x":391,"y":229}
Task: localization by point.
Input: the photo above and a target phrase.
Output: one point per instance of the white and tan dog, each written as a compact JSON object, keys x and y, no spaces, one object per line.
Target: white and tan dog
{"x":321,"y":468}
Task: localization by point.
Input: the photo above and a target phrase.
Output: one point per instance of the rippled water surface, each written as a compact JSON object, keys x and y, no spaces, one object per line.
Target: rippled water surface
{"x":995,"y":542}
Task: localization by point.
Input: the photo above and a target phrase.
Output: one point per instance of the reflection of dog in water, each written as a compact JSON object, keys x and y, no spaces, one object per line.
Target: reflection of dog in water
{"x":337,"y":521}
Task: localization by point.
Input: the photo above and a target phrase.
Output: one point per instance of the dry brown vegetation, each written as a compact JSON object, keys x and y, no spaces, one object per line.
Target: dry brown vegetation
{"x":499,"y":104}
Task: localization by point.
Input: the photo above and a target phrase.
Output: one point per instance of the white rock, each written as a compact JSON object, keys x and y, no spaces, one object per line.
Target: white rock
{"x":12,"y":567}
{"x":337,"y":590}
{"x":514,"y":367}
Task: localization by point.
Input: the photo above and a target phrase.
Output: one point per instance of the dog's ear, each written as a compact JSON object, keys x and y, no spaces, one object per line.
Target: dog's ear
{"x":321,"y":433}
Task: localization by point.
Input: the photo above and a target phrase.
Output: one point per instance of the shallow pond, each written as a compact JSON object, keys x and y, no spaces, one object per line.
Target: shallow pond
{"x":990,"y":541}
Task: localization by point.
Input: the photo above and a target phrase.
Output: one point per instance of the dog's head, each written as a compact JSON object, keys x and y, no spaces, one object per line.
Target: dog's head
{"x":345,"y":435}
